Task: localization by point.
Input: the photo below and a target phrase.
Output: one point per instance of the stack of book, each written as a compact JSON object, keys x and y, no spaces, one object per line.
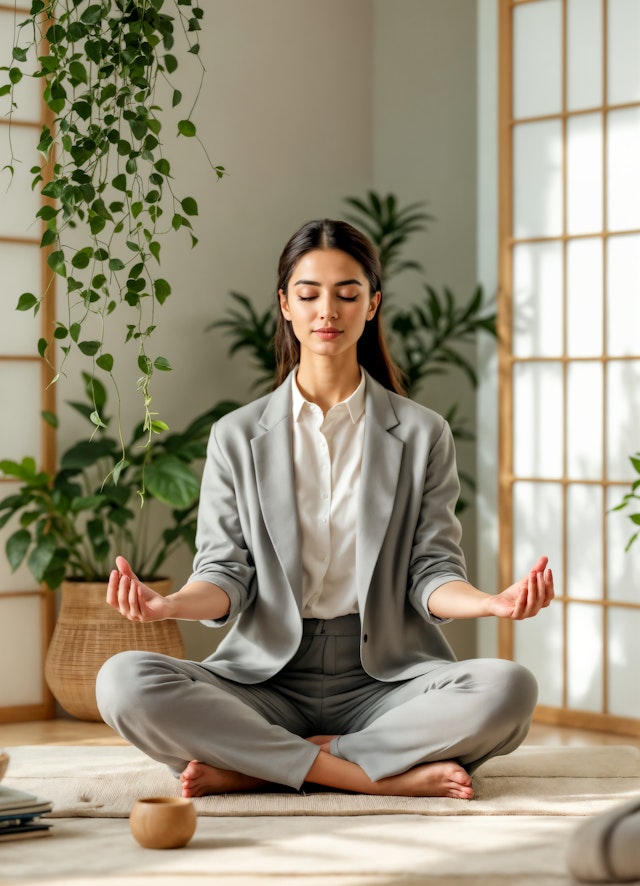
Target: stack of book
{"x":20,"y":815}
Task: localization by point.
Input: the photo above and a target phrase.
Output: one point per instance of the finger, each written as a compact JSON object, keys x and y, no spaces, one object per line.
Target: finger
{"x":124,"y":568}
{"x":520,"y":605}
{"x":549,"y":588}
{"x":134,"y":606}
{"x":112,"y":589}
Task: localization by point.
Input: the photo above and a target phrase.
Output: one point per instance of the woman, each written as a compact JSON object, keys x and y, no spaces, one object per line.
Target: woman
{"x":327,"y":534}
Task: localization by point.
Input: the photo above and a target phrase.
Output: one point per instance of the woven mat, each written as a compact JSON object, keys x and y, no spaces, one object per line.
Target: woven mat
{"x":104,"y":782}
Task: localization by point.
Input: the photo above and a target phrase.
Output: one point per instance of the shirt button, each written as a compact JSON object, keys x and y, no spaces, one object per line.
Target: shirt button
{"x":325,"y":495}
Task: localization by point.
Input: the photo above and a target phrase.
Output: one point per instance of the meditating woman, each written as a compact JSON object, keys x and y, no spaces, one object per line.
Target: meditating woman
{"x":327,"y":537}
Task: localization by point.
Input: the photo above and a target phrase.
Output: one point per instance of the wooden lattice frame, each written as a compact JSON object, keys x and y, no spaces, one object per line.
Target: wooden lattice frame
{"x":45,"y":709}
{"x":563,"y":715}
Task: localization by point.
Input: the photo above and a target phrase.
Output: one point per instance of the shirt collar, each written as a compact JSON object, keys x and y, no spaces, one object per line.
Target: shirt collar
{"x":354,"y":402}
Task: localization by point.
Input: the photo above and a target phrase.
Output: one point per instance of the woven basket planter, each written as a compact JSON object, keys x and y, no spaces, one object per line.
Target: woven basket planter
{"x":87,"y":633}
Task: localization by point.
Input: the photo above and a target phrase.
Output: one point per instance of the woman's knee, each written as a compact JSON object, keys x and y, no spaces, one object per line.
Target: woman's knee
{"x":514,"y":685}
{"x":121,"y":683}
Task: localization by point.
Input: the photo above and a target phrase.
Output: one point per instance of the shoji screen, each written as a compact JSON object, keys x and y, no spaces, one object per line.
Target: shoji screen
{"x":570,"y":345}
{"x":25,"y":611}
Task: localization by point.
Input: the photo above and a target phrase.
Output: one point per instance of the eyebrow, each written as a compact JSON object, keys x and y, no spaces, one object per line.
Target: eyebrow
{"x":339,"y":283}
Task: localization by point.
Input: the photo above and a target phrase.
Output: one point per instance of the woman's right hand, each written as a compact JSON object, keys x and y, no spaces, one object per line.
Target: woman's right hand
{"x":133,"y":599}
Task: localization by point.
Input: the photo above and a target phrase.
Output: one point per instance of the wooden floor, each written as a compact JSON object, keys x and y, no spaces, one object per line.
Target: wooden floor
{"x":71,"y":732}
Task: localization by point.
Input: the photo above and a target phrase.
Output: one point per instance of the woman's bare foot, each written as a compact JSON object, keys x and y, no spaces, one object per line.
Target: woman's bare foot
{"x":442,"y":779}
{"x":200,"y":779}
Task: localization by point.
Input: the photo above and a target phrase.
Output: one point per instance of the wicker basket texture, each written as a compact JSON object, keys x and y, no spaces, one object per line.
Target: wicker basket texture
{"x":87,"y":633}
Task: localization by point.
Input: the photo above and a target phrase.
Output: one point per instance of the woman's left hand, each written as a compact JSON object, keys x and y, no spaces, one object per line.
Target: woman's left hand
{"x":527,"y":596}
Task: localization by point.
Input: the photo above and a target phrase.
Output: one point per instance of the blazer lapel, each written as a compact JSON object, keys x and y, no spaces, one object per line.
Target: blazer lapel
{"x":381,"y":460}
{"x":273,"y":463}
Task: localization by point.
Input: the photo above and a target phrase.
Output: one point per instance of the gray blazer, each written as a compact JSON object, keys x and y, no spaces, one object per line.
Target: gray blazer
{"x":407,"y":536}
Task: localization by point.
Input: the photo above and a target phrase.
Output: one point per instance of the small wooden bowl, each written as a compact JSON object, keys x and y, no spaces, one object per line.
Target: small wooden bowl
{"x":4,"y":762}
{"x":163,"y":822}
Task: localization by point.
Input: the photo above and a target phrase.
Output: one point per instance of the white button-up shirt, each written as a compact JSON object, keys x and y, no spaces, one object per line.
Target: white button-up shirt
{"x":327,"y":457}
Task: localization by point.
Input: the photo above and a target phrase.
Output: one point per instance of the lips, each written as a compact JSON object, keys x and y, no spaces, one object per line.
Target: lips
{"x":327,"y":333}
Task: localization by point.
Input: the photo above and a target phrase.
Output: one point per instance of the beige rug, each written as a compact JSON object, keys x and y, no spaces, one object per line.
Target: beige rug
{"x":104,"y":782}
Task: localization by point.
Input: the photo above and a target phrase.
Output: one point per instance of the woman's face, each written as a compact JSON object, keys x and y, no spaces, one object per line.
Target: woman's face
{"x":328,"y":302}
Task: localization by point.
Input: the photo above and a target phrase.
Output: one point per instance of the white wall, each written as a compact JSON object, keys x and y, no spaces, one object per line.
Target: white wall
{"x":424,"y":148}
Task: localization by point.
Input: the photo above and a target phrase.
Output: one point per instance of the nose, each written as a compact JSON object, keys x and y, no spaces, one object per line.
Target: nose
{"x":328,"y":309}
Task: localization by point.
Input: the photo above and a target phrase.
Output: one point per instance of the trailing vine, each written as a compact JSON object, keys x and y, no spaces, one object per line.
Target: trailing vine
{"x":103,"y":169}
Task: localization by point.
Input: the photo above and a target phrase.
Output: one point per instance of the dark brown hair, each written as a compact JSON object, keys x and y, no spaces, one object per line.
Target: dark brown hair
{"x":373,"y":352}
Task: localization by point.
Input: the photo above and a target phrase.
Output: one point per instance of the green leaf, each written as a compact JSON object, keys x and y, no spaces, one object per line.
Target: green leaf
{"x":56,"y":263}
{"x":171,"y":481}
{"x":15,"y":75}
{"x":162,"y":364}
{"x":163,"y":166}
{"x":189,"y":206}
{"x":92,"y":15}
{"x":116,"y":264}
{"x":41,"y":556}
{"x":145,"y":365}
{"x":27,"y":301}
{"x":187,"y":128}
{"x":120,"y":182}
{"x":171,"y":63}
{"x":176,"y":98}
{"x":89,"y":348}
{"x":82,"y":258}
{"x":162,"y":290}
{"x":17,"y":547}
{"x":105,"y":361}
{"x":50,"y":417}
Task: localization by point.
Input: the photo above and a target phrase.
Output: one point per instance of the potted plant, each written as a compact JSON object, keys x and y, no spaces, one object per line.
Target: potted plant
{"x":72,"y":523}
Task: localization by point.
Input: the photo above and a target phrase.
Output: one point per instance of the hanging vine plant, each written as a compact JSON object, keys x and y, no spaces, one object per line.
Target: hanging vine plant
{"x":109,"y":187}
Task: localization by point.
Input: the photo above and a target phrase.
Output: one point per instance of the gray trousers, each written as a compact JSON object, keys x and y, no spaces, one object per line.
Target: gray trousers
{"x":176,"y":711}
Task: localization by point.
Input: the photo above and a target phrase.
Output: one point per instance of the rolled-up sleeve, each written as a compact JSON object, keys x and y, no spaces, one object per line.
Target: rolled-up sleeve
{"x":222,"y":555}
{"x":436,"y":555}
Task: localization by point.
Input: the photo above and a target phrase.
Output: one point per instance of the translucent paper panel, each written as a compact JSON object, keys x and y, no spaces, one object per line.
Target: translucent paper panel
{"x":623,"y":423}
{"x":584,"y":174}
{"x":584,"y":54}
{"x":537,"y":179}
{"x":537,"y":59}
{"x":538,"y":646}
{"x":623,"y":169}
{"x":20,"y":652}
{"x":19,"y":202}
{"x":584,"y":421}
{"x":537,"y":300}
{"x":19,"y":331}
{"x":28,"y":91}
{"x":624,"y":662}
{"x":20,"y":428}
{"x":623,"y":51}
{"x":623,"y":567}
{"x":623,"y":296}
{"x":584,"y":657}
{"x":584,"y":542}
{"x":537,"y":526}
{"x":584,"y":297}
{"x":21,"y":579}
{"x":537,"y":419}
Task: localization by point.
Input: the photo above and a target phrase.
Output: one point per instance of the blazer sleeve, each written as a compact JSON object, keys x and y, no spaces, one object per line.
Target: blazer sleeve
{"x":222,"y":556}
{"x":436,"y":555}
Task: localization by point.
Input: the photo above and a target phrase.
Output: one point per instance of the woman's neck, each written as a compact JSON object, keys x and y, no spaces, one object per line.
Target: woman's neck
{"x":326,"y":383}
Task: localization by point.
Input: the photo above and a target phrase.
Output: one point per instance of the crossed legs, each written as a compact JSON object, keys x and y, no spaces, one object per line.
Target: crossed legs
{"x":420,"y":738}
